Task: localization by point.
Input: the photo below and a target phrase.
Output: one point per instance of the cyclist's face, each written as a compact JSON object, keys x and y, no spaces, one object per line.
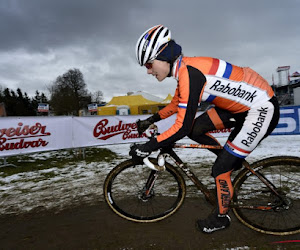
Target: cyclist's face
{"x":159,"y":69}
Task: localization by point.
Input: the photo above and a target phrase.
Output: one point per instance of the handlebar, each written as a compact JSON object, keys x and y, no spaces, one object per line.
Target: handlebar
{"x":150,"y":132}
{"x":161,"y":163}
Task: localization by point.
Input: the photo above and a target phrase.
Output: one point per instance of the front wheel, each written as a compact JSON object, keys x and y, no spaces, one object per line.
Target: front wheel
{"x":140,"y":194}
{"x":258,"y":207}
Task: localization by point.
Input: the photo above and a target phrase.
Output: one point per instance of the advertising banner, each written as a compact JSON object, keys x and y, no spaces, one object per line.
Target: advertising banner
{"x":103,"y":130}
{"x":289,"y":121}
{"x":33,"y":134}
{"x":43,"y":107}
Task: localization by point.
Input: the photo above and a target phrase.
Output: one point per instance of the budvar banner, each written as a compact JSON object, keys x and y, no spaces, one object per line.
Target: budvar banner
{"x":22,"y":135}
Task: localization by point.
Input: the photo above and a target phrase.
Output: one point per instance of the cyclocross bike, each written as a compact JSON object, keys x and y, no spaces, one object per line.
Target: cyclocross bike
{"x":266,"y":193}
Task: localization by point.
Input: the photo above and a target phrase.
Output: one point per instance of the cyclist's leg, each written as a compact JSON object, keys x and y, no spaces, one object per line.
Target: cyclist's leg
{"x":213,"y":119}
{"x":251,"y":128}
{"x":221,"y":171}
{"x":219,"y":218}
{"x":224,"y":191}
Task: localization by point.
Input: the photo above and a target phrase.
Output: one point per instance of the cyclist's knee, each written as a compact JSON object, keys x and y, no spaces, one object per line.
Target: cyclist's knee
{"x":196,"y":133}
{"x":225,"y":162}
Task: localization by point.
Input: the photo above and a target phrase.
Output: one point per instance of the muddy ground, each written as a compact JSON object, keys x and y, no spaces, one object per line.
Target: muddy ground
{"x":97,"y":227}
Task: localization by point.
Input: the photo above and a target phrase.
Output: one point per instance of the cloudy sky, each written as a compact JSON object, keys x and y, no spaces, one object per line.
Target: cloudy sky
{"x":42,"y":39}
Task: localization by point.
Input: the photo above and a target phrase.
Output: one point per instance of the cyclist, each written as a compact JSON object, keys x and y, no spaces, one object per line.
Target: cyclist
{"x":241,"y":100}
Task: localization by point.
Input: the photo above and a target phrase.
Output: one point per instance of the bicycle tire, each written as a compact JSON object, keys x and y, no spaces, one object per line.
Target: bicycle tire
{"x":124,"y":184}
{"x":284,"y":173}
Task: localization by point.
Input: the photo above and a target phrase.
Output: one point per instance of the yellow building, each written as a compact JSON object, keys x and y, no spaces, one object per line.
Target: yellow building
{"x":135,"y":105}
{"x":107,"y":110}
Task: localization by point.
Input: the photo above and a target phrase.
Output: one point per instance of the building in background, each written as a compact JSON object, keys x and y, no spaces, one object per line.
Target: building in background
{"x":134,"y":103}
{"x":287,"y":89}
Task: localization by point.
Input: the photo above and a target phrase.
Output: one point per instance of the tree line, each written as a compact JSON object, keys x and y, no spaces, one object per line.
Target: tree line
{"x":68,"y":95}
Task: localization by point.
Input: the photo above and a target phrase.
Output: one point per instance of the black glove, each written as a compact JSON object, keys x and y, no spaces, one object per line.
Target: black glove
{"x":139,"y":151}
{"x":142,"y":125}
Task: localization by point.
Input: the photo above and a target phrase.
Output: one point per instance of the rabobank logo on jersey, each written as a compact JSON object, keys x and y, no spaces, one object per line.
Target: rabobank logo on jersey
{"x":234,"y":91}
{"x":238,"y":92}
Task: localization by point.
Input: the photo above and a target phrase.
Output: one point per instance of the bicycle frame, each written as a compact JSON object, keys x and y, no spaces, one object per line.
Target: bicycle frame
{"x":207,"y":193}
{"x":176,"y":159}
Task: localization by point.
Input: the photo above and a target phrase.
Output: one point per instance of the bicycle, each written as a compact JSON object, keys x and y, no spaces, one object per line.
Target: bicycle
{"x":266,"y":193}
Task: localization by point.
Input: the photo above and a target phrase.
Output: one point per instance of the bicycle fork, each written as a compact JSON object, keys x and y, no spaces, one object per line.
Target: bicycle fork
{"x":148,"y":188}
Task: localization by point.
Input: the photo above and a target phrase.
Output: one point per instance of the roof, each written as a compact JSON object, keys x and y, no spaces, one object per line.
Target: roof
{"x":130,"y":100}
{"x":147,"y":96}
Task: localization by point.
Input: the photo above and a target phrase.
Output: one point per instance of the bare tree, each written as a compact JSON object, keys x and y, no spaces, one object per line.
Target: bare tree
{"x":69,"y":93}
{"x":97,"y":97}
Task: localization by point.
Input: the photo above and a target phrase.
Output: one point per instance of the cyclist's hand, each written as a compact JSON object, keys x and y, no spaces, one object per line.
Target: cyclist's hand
{"x":139,"y":151}
{"x":142,"y":125}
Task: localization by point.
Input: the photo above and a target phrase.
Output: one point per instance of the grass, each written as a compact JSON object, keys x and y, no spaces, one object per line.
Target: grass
{"x":58,"y":159}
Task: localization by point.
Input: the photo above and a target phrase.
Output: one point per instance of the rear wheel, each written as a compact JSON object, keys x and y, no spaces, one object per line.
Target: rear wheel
{"x":258,"y":207}
{"x":140,"y":194}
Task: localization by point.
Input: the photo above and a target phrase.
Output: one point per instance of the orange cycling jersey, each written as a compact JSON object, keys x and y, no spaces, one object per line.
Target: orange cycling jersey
{"x":227,"y":86}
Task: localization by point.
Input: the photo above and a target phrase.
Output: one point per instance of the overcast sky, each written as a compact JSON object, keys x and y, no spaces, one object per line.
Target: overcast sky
{"x":42,"y":39}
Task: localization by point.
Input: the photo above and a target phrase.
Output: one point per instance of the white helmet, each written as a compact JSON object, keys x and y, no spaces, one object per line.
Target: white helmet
{"x":148,"y":45}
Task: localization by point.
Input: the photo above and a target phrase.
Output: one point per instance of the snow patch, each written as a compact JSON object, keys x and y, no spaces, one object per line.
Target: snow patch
{"x":82,"y":183}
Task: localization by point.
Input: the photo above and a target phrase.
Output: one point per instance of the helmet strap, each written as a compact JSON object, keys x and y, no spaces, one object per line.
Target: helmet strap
{"x":171,"y":69}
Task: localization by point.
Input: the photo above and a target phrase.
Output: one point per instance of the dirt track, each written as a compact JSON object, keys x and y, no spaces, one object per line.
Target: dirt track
{"x":96,"y":227}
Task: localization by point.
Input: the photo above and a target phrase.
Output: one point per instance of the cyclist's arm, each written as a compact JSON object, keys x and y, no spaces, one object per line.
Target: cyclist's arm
{"x":171,"y":108}
{"x":190,"y":89}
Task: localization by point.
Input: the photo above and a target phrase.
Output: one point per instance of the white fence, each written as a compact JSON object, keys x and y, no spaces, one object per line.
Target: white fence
{"x":22,"y":135}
